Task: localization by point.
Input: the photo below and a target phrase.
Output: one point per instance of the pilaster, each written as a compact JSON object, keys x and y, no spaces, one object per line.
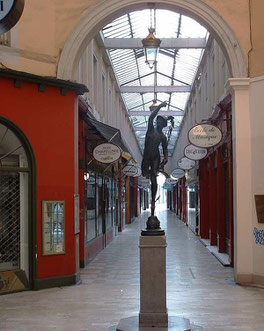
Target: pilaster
{"x":242,"y":176}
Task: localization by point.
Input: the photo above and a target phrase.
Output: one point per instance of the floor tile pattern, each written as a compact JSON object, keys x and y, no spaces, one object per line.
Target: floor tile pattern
{"x":199,"y":288}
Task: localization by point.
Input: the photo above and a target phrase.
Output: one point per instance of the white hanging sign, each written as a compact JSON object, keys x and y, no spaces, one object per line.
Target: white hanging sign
{"x":130,"y":170}
{"x":170,"y":181}
{"x":186,"y":163}
{"x":139,"y":173}
{"x":205,"y":135}
{"x":106,"y":153}
{"x":177,"y":173}
{"x":195,"y":153}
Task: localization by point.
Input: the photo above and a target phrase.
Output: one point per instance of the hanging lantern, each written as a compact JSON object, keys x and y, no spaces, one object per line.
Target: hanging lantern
{"x":151,"y":46}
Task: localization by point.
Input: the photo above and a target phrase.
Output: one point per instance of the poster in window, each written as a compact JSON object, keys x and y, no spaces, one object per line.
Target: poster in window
{"x":53,"y":227}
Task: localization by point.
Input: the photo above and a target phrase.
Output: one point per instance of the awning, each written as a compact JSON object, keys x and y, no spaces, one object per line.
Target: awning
{"x":108,"y":132}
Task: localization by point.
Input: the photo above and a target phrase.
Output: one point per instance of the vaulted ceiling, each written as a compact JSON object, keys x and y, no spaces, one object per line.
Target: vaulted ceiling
{"x":183,"y":41}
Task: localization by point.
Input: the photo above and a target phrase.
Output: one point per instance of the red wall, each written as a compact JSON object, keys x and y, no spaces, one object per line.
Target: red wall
{"x":47,"y":119}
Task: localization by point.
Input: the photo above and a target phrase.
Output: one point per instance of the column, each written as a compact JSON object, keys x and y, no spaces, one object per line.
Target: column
{"x":212,"y":201}
{"x":242,"y":179}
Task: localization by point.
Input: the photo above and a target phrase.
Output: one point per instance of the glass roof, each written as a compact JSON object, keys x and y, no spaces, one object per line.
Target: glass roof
{"x":176,"y":67}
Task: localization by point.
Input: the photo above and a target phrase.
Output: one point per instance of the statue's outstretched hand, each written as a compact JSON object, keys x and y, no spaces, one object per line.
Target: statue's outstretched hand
{"x":163,"y":162}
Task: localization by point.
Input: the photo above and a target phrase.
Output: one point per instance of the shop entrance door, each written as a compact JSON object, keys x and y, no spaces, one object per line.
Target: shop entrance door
{"x":14,"y":213}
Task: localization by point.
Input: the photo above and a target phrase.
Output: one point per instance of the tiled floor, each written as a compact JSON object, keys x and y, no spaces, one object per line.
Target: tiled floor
{"x":198,"y":288}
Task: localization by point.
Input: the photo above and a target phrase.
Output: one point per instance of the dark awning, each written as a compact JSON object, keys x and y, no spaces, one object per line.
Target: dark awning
{"x":110,"y":133}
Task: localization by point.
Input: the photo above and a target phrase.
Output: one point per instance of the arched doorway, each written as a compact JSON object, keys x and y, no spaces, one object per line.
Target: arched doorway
{"x":238,"y":86}
{"x":17,"y":209}
{"x":103,"y":13}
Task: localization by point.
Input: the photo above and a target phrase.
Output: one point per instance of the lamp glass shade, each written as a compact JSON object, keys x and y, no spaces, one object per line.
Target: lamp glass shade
{"x":151,"y":56}
{"x":151,"y":47}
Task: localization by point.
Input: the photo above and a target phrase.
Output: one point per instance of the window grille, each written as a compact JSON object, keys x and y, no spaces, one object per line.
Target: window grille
{"x":9,"y":221}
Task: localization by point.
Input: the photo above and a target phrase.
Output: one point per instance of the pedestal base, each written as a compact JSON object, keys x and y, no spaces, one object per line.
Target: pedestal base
{"x":175,"y":323}
{"x":153,"y":232}
{"x":153,"y":319}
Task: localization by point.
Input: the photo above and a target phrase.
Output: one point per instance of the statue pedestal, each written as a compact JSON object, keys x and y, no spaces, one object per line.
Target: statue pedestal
{"x":153,"y":309}
{"x":153,"y":313}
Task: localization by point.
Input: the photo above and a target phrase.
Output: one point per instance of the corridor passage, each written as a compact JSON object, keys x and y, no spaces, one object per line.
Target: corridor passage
{"x":198,"y":288}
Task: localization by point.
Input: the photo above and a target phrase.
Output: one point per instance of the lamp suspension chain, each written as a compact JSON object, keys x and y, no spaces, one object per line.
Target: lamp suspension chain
{"x":154,"y":19}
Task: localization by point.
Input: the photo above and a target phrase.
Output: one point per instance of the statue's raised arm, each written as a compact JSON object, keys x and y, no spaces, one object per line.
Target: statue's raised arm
{"x":155,"y":113}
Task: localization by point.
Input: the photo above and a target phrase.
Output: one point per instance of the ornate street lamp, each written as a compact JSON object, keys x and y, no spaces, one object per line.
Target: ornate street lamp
{"x":151,"y":46}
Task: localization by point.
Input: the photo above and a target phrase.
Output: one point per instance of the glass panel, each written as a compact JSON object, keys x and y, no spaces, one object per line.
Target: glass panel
{"x":53,"y":222}
{"x":174,"y":66}
{"x":90,"y":205}
{"x":12,"y":153}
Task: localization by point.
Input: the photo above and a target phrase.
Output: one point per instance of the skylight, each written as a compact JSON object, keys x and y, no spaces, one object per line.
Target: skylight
{"x":176,"y":67}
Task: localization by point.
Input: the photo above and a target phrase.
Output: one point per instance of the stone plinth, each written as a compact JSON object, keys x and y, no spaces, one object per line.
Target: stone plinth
{"x":175,"y":324}
{"x":153,"y":308}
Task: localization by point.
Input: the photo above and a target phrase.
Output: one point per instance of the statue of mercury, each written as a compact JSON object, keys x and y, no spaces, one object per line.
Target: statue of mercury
{"x":151,"y":163}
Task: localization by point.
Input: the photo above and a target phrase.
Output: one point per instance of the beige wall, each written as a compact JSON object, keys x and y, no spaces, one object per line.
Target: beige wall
{"x":112,"y":110}
{"x":256,"y":55}
{"x":45,"y":26}
{"x":207,"y":91}
{"x":257,"y":133}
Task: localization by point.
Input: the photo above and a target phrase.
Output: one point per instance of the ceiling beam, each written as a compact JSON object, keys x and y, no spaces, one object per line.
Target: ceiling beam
{"x":144,"y":128}
{"x":162,"y":113}
{"x":158,"y":89}
{"x":170,"y":43}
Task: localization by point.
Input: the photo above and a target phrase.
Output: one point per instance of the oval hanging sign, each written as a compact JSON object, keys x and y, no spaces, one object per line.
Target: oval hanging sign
{"x":10,"y":12}
{"x":139,"y":171}
{"x":195,"y":153}
{"x":170,"y":181}
{"x":130,"y":170}
{"x":205,"y":135}
{"x":186,"y":163}
{"x":177,"y":173}
{"x":106,"y":153}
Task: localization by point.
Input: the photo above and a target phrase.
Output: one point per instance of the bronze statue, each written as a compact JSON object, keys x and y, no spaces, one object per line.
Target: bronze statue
{"x":151,"y":163}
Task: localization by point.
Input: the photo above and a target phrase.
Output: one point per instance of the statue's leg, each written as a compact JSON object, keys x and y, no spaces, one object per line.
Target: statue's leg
{"x":145,"y":167}
{"x":154,"y":188}
{"x":154,"y":185}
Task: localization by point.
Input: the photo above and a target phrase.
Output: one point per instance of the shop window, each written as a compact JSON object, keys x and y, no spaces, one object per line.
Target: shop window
{"x":116,"y":204}
{"x":99,"y":204}
{"x":108,"y":203}
{"x":90,"y":205}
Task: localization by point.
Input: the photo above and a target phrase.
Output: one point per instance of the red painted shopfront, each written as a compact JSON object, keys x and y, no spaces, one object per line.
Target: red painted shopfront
{"x":216,"y":185}
{"x":45,"y":111}
{"x":103,"y":188}
{"x":215,"y":207}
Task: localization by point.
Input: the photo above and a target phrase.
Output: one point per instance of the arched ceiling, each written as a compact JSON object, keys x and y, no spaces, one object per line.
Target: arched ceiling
{"x":183,"y":41}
